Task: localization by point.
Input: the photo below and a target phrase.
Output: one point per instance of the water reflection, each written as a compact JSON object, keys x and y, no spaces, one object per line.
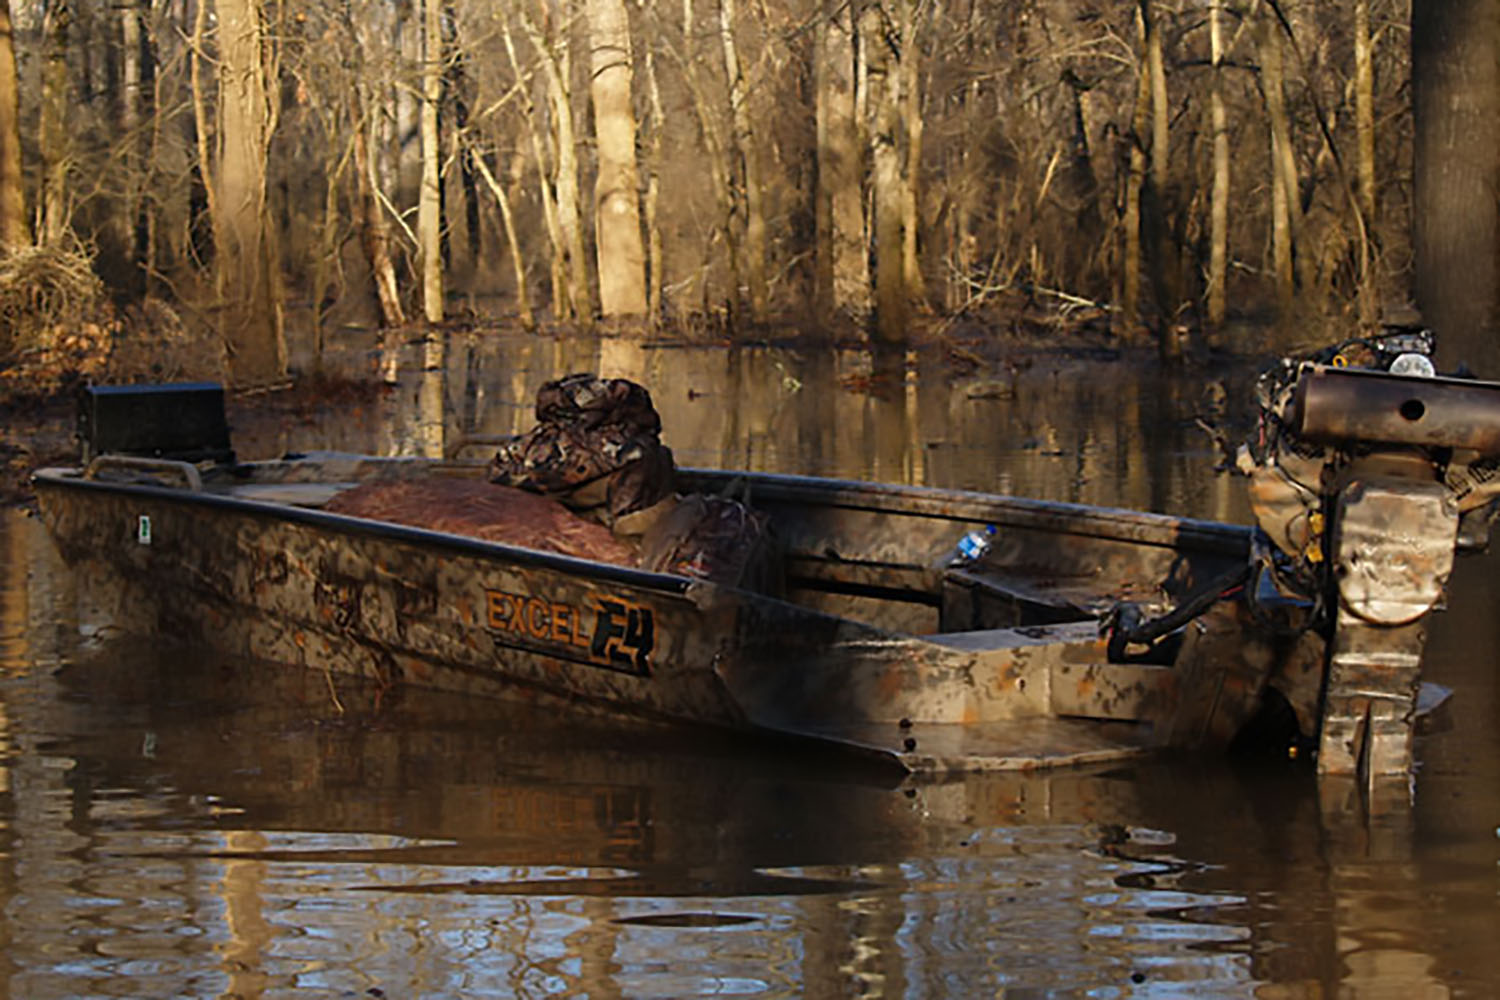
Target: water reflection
{"x":1063,"y":428}
{"x":270,"y":839}
{"x":172,"y":824}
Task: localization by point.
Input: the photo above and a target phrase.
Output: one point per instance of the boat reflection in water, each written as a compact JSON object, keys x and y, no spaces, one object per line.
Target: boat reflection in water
{"x":257,"y":824}
{"x":205,"y":827}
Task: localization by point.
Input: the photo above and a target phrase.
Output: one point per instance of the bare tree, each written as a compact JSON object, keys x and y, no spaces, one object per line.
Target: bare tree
{"x":841,"y":245}
{"x":1455,"y":52}
{"x":1032,"y":154}
{"x":888,"y":194}
{"x":1364,"y":107}
{"x":554,"y":53}
{"x":717,"y":148}
{"x":129,"y":219}
{"x":655,"y":263}
{"x":1286,"y":208}
{"x":518,"y":262}
{"x":750,"y":186}
{"x":13,"y":228}
{"x":53,"y":211}
{"x":1130,"y":282}
{"x":248,"y":271}
{"x":617,"y":225}
{"x":429,"y":203}
{"x":559,"y":253}
{"x":1157,"y":204}
{"x":375,"y":233}
{"x":1218,"y":259}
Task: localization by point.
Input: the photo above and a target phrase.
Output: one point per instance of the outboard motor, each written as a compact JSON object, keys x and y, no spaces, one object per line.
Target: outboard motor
{"x":1367,"y":471}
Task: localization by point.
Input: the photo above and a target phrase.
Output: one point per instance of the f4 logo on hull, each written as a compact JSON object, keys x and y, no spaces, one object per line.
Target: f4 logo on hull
{"x":613,"y":632}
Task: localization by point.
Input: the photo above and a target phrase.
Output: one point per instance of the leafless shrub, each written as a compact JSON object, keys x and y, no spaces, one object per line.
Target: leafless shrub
{"x":47,"y":295}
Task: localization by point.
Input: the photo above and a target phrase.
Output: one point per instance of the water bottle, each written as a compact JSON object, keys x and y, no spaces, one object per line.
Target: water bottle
{"x":970,"y":548}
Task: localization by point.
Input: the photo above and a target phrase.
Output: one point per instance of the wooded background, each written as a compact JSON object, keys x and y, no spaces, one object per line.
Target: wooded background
{"x":1163,"y":167}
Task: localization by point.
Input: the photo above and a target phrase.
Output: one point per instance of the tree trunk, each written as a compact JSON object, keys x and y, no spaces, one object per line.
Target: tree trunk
{"x":891,"y":297}
{"x":56,"y":144}
{"x":457,"y":82}
{"x":429,"y":202}
{"x":328,"y":250}
{"x":822,"y":208}
{"x":1155,"y":206}
{"x":555,"y":66}
{"x":523,"y":299}
{"x":130,"y":119}
{"x":655,"y":263}
{"x":558,"y":260}
{"x":247,"y":270}
{"x":1364,"y":129}
{"x":752,"y":194}
{"x":1080,"y":184}
{"x":1285,"y":206}
{"x":1157,"y":74}
{"x":1218,"y":227}
{"x":841,"y":242}
{"x":1455,"y":70}
{"x":911,"y":110}
{"x":1130,"y":282}
{"x":201,"y":236}
{"x":13,"y":228}
{"x":1364,"y":109}
{"x":401,"y":115}
{"x":147,"y":218}
{"x":719,"y":170}
{"x":374,"y":233}
{"x":617,"y":216}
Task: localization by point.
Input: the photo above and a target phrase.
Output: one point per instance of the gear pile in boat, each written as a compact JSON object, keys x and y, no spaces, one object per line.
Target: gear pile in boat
{"x":596,"y":447}
{"x":592,"y":480}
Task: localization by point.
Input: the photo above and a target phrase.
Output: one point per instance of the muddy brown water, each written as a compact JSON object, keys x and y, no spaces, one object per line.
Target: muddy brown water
{"x":176,"y":825}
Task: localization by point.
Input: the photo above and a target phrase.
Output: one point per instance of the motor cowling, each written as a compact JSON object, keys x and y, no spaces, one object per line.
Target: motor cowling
{"x":1367,"y":471}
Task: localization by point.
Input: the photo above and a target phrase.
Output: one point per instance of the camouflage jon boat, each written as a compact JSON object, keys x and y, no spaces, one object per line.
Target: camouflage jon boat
{"x":1079,"y":634}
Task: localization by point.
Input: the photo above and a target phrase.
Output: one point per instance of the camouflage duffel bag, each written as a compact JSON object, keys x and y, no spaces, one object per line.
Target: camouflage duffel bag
{"x":588,"y":401}
{"x":596,"y":449}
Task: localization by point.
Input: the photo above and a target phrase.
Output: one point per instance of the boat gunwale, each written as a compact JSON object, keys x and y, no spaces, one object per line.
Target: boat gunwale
{"x":383,"y":530}
{"x":1057,"y":516}
{"x":1062,"y":516}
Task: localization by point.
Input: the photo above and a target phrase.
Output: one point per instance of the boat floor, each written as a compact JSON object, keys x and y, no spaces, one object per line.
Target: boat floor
{"x":1012,"y":745}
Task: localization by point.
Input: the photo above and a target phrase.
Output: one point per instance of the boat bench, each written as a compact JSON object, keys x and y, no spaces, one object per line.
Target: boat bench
{"x":975,"y":598}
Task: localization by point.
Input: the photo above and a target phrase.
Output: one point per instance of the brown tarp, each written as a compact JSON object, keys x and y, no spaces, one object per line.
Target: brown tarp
{"x":484,"y":510}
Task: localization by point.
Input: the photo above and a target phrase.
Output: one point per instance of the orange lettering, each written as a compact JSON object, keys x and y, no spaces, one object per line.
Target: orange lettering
{"x":540,"y":627}
{"x":562,"y":621}
{"x":497,"y":607}
{"x":540,"y":618}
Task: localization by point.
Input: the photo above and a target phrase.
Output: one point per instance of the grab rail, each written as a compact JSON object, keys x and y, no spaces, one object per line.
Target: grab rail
{"x":189,"y":472}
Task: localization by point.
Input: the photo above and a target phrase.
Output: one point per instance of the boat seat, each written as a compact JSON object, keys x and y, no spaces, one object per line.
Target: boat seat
{"x":981,"y":597}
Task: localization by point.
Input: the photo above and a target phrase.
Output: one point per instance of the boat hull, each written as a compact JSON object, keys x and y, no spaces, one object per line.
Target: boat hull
{"x":260,"y":578}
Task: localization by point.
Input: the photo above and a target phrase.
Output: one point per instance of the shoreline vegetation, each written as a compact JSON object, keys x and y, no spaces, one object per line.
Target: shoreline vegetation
{"x":234,"y":176}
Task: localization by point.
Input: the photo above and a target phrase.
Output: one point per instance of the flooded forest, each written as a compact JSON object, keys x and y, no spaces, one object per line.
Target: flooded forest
{"x":1018,"y":250}
{"x":229,"y":188}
